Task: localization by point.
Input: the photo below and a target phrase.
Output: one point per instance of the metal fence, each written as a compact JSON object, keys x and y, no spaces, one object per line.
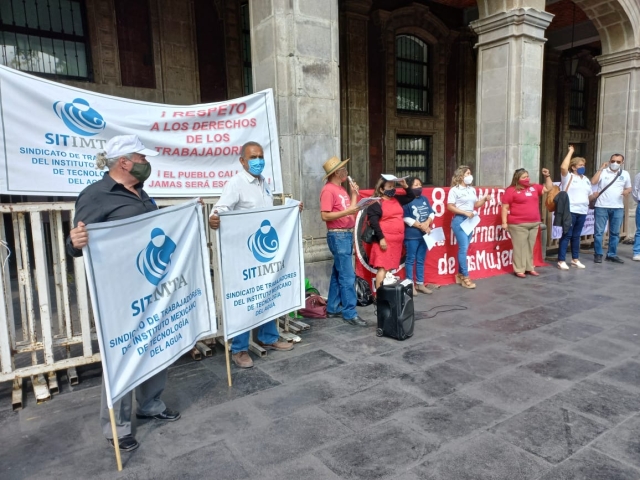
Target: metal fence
{"x":46,"y":323}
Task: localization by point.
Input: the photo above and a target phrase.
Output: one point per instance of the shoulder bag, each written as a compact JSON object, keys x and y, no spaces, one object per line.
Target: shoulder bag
{"x":594,"y":196}
{"x":551,"y":195}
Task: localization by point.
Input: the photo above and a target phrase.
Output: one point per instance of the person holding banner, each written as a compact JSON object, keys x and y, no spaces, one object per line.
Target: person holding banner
{"x":578,"y":187}
{"x":119,"y":195}
{"x":521,"y":216}
{"x":387,"y":220}
{"x":338,"y":210}
{"x":462,"y":202}
{"x":245,"y":191}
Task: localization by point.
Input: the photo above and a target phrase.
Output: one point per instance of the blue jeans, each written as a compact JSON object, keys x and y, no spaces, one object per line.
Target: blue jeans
{"x":636,"y":241}
{"x":463,"y":243}
{"x":573,"y":237}
{"x":614,"y":216}
{"x":416,"y":252}
{"x":267,"y":333}
{"x":342,"y":287}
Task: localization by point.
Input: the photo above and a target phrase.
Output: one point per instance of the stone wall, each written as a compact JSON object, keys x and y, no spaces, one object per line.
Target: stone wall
{"x":174,"y":53}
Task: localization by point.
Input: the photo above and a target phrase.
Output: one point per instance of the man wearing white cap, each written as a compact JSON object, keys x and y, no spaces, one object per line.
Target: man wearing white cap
{"x":119,"y":195}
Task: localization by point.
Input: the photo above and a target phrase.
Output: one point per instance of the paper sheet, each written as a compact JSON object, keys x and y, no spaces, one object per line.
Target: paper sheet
{"x":392,"y":178}
{"x":436,"y":235}
{"x":365,"y":202}
{"x":470,"y":223}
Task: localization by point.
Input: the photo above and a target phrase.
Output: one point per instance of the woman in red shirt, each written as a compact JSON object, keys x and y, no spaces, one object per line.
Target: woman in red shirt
{"x":521,"y":216}
{"x":386,"y":219}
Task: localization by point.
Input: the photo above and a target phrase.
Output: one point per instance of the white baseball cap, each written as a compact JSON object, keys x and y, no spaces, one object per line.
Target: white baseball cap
{"x":126,"y":144}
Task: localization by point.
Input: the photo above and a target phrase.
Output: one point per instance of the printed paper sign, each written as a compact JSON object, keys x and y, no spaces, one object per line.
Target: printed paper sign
{"x":261,"y":265}
{"x":52,"y":132}
{"x":150,"y":291}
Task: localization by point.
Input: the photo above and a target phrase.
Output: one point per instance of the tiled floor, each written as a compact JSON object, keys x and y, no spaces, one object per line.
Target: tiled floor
{"x":539,"y":378}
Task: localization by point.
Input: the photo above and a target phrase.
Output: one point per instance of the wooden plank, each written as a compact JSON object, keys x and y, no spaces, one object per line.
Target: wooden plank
{"x":41,"y":368}
{"x":16,"y":395}
{"x":82,"y":295}
{"x":53,"y":383}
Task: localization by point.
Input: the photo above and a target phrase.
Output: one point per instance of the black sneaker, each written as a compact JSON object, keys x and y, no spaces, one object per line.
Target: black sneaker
{"x":355,"y":321}
{"x":597,"y":259}
{"x":614,"y":259}
{"x":126,"y":444}
{"x":334,"y":315}
{"x":167,"y":415}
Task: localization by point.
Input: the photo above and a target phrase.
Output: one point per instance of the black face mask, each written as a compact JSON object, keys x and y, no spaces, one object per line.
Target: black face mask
{"x":390,"y":193}
{"x":416,"y":191}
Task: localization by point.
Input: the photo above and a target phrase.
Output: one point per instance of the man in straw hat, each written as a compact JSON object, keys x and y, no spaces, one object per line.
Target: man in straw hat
{"x":339,"y":210}
{"x":119,"y":195}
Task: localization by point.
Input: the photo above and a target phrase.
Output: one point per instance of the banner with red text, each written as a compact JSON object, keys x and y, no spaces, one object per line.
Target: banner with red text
{"x":51,"y":133}
{"x":490,"y":252}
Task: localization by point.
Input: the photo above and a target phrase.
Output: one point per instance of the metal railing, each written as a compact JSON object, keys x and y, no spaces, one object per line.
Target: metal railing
{"x":547,"y":219}
{"x":46,"y":323}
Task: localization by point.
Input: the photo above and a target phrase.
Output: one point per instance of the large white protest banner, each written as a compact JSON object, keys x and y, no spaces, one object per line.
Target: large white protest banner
{"x":51,"y":133}
{"x":150,"y":290}
{"x":261,"y":265}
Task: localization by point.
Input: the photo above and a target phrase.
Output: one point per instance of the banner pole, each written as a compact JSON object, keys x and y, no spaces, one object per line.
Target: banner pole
{"x":226,"y":352}
{"x":116,"y":444}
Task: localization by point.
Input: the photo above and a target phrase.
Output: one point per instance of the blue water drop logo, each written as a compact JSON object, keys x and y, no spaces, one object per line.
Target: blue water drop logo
{"x":154,"y":260}
{"x":264,"y":243}
{"x":79,"y":117}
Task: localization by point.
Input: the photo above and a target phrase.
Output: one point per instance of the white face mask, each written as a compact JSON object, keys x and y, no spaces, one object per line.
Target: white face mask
{"x":614,"y":166}
{"x":468,"y":180}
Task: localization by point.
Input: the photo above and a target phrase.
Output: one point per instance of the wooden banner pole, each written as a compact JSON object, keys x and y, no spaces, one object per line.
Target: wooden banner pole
{"x":116,"y":444}
{"x":226,"y":352}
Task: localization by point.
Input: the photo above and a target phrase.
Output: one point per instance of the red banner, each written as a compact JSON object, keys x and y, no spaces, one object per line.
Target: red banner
{"x":490,"y":252}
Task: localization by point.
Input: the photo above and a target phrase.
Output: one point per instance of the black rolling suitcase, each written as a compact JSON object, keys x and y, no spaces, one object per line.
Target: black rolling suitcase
{"x":395,"y":310}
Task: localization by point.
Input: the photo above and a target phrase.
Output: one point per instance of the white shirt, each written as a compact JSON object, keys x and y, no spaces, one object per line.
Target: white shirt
{"x":612,"y":198}
{"x":244,"y":192}
{"x":464,"y":198}
{"x":636,"y":188}
{"x":579,"y":190}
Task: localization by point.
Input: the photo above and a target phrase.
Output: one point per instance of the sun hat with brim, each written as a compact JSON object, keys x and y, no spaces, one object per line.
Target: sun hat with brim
{"x":125,"y":144}
{"x":333,"y":164}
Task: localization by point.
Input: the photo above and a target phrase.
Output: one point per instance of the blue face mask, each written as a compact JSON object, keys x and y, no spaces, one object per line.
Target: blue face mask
{"x":256,"y":165}
{"x":581,"y":170}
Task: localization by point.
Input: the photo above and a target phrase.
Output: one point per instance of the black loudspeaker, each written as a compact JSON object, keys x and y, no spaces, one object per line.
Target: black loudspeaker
{"x":395,"y":310}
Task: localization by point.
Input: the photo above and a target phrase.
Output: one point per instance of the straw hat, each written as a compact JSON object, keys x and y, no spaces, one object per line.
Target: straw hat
{"x":332,"y":165}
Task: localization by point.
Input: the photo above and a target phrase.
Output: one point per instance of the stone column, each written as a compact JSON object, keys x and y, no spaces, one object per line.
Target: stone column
{"x":295,"y":52}
{"x":619,"y":114}
{"x":354,"y":25}
{"x":509,"y":95}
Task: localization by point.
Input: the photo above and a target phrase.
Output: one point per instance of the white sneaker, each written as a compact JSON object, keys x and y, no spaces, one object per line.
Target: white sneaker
{"x":636,"y":258}
{"x":563,"y":266}
{"x":577,"y":264}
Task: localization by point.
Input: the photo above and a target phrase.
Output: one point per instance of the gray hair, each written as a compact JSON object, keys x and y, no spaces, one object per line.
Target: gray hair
{"x":249,"y":144}
{"x":102,"y":160}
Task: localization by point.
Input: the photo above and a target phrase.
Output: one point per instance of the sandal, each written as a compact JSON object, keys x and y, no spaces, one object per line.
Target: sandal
{"x":520,"y":275}
{"x":533,"y":273}
{"x":464,"y":282}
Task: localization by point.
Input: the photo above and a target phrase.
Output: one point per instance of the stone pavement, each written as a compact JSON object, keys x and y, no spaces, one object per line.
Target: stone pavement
{"x":539,"y":378}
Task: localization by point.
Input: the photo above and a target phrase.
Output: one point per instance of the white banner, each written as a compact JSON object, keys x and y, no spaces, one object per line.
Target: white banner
{"x":261,"y":265}
{"x":51,"y":133}
{"x":150,"y":290}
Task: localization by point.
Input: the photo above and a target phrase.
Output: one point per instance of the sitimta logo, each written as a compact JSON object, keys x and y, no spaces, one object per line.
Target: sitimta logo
{"x":79,"y":117}
{"x":264,"y":243}
{"x":154,"y":260}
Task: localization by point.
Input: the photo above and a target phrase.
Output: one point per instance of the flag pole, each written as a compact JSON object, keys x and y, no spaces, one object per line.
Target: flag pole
{"x":116,"y":444}
{"x":226,"y":352}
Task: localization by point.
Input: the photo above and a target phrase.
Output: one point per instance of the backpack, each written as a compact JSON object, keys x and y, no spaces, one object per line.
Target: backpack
{"x":314,"y":305}
{"x":363,"y":292}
